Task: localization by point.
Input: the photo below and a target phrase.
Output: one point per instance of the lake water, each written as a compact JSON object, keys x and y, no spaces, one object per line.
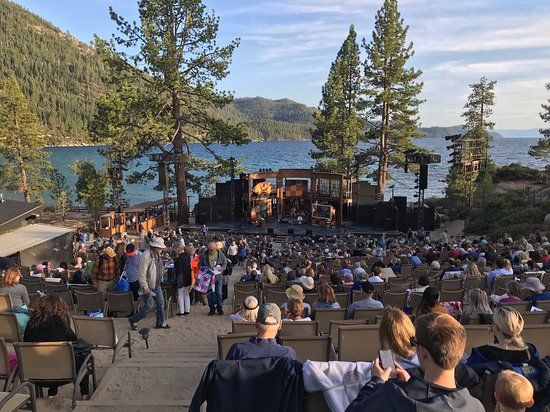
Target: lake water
{"x":295,"y":154}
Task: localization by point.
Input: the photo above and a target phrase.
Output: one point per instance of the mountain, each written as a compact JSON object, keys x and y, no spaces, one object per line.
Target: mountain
{"x":59,"y":74}
{"x":519,"y":132}
{"x":438,"y":131}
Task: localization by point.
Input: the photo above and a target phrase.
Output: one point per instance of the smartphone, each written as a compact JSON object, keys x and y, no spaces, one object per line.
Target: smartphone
{"x":386,"y":359}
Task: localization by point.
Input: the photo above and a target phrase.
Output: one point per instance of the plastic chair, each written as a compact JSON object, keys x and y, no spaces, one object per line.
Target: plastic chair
{"x":47,"y":362}
{"x":101,"y":333}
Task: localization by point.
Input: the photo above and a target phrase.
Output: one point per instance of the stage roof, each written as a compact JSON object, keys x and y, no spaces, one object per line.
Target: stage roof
{"x":29,"y":236}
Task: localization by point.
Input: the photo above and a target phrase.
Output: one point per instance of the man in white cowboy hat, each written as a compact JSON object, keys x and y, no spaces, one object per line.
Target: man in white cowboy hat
{"x":535,"y":289}
{"x":150,"y":273}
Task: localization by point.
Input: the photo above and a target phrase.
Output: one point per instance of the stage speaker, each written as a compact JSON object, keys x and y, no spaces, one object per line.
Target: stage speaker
{"x":270,"y":231}
{"x":309,"y":233}
{"x":365,"y":215}
{"x":423,"y":177}
{"x":400,"y":202}
{"x":291,"y":232}
{"x":385,"y":216}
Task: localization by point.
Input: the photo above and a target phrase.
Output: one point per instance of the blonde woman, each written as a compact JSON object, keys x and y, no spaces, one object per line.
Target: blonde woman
{"x":248,"y":312}
{"x":508,"y":267}
{"x":472,"y":271}
{"x":268,"y":276}
{"x":478,"y":307}
{"x":395,"y":333}
{"x":509,"y":345}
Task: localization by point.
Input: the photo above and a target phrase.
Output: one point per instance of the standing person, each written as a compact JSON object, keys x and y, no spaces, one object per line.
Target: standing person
{"x":184,"y":279}
{"x":150,"y":272}
{"x":232,"y":252}
{"x":214,"y":259}
{"x":131,"y":268}
{"x":105,"y":271}
{"x":204,"y":229}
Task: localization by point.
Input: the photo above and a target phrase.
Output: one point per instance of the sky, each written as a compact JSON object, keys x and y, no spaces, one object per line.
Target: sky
{"x":287,"y":47}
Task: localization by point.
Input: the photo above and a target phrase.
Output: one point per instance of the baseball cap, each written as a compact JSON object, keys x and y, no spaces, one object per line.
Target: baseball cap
{"x":269,"y":314}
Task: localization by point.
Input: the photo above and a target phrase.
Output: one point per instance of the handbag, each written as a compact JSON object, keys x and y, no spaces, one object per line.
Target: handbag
{"x":205,"y":279}
{"x":122,"y":284}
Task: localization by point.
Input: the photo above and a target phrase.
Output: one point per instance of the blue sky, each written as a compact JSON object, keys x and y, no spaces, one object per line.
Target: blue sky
{"x":287,"y":47}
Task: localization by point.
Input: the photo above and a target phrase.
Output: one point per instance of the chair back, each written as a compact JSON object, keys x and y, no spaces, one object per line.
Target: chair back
{"x":275,"y":296}
{"x":343,"y":299}
{"x":538,"y":336}
{"x":324,"y":316}
{"x":369,"y":315}
{"x":280,"y":287}
{"x":46,"y":361}
{"x":414,"y":299}
{"x":9,"y":328}
{"x":89,"y":301}
{"x":246,"y":286}
{"x":5,"y":302}
{"x":66,"y":296}
{"x":335,"y":324}
{"x":358,"y":343}
{"x":471,"y":283}
{"x":501,"y":281}
{"x":451,"y":295}
{"x":520,"y":305}
{"x":96,"y":331}
{"x":398,"y":287}
{"x":52,"y":289}
{"x":241,"y":326}
{"x":397,"y":300}
{"x":543,"y":305}
{"x":488,"y":394}
{"x":477,"y":335}
{"x":120,"y":302}
{"x":34,"y":286}
{"x":311,"y":298}
{"x":225,"y":342}
{"x":451,"y":284}
{"x":240,"y":295}
{"x":379,"y":288}
{"x":534,"y":318}
{"x":33,"y":298}
{"x":406,"y":270}
{"x":4,"y":360}
{"x":25,"y":271}
{"x":314,"y":348}
{"x":300,"y":328}
{"x":418,"y":272}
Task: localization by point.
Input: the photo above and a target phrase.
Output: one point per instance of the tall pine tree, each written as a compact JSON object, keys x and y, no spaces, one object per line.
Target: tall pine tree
{"x":164,"y":70}
{"x":337,"y":123}
{"x":25,"y":164}
{"x":542,"y":149}
{"x":392,"y":94}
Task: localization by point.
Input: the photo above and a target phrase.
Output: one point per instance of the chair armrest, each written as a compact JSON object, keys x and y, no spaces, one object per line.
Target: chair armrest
{"x":83,"y":368}
{"x":18,"y":389}
{"x":122,"y":342}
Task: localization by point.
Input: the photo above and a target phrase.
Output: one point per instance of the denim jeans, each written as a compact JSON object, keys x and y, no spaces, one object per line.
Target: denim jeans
{"x":215,"y":298}
{"x":148,"y":307}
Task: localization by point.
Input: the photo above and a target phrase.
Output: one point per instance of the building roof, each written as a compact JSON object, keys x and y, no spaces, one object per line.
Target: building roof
{"x":12,"y":210}
{"x":140,"y":207}
{"x":29,"y":236}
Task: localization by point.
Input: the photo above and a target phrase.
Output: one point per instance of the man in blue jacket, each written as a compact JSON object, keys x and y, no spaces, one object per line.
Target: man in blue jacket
{"x":440,"y":341}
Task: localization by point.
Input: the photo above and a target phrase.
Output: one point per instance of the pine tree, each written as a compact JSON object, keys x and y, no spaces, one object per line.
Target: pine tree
{"x":477,"y":123}
{"x":337,"y":123}
{"x":25,"y":163}
{"x":165,"y":70}
{"x":92,"y":186}
{"x":542,"y":149}
{"x":62,"y":203}
{"x":392,"y":94}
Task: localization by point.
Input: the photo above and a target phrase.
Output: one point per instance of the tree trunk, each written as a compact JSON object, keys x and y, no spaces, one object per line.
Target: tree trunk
{"x":181,"y":179}
{"x":21,"y":164}
{"x":383,"y":157}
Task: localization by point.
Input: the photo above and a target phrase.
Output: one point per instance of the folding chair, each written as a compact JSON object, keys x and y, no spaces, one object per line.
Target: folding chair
{"x":414,"y":299}
{"x":53,"y":289}
{"x":88,"y":301}
{"x":6,"y":373}
{"x":451,"y":284}
{"x":24,"y":270}
{"x":534,"y":318}
{"x":275,"y":296}
{"x":477,"y":335}
{"x":279,"y":287}
{"x":543,"y":305}
{"x":101,"y":333}
{"x":324,"y":316}
{"x":451,"y":295}
{"x":520,"y":306}
{"x":5,"y":302}
{"x":395,"y":287}
{"x":240,"y":296}
{"x":501,"y":281}
{"x":311,"y":298}
{"x":120,"y":303}
{"x":368,"y":314}
{"x":33,"y":285}
{"x":358,"y":343}
{"x":15,"y":400}
{"x":246,"y":286}
{"x":33,"y":298}
{"x":243,"y":327}
{"x":301,"y":328}
{"x":538,"y":336}
{"x":406,"y":270}
{"x":471,"y":283}
{"x":225,"y":342}
{"x":47,"y":362}
{"x":335,"y":324}
{"x":315,"y":348}
{"x":397,"y":300}
{"x":9,"y":328}
{"x":67,"y":297}
{"x":342,"y":299}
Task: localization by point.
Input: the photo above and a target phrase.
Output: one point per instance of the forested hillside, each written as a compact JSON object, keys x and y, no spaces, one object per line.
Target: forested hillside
{"x":59,"y":74}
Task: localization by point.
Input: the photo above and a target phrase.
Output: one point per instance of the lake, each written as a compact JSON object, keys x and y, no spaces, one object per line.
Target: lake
{"x":295,"y":154}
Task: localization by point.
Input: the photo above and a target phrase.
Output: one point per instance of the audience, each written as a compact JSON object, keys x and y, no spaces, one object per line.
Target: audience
{"x":366,"y":300}
{"x":395,"y":333}
{"x":326,"y":300}
{"x":12,"y":287}
{"x":294,"y":311}
{"x":248,"y":312}
{"x":535,"y":289}
{"x":295,"y":292}
{"x":429,"y":303}
{"x":513,"y":392}
{"x":478,"y":307}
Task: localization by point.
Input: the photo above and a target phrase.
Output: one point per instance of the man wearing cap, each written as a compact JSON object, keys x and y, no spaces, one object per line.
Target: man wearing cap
{"x":215,"y":260}
{"x":106,"y":271}
{"x":150,"y":272}
{"x":263,"y":345}
{"x":535,"y":289}
{"x":366,"y":301}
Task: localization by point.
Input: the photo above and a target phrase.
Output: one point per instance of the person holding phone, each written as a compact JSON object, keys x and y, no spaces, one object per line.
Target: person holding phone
{"x":440,"y":341}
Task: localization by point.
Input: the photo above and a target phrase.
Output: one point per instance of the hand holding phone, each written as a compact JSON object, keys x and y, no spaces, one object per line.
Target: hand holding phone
{"x":386,"y":359}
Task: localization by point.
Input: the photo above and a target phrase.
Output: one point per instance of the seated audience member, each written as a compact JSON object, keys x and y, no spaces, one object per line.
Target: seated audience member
{"x":481,"y":264}
{"x":429,"y":303}
{"x":509,"y":346}
{"x":499,"y":271}
{"x":472,"y":271}
{"x":365,"y":300}
{"x":535,"y":289}
{"x":451,"y":271}
{"x":336,"y":282}
{"x":296,"y":292}
{"x":294,"y":310}
{"x":478,"y":307}
{"x":358,"y":271}
{"x":395,"y":333}
{"x":513,"y":392}
{"x":513,"y":293}
{"x":263,"y":345}
{"x":11,"y":286}
{"x":247,"y":312}
{"x":422,"y":284}
{"x":376,"y":278}
{"x":326,"y":300}
{"x":48,"y":324}
{"x":440,"y":341}
{"x":251,"y":277}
